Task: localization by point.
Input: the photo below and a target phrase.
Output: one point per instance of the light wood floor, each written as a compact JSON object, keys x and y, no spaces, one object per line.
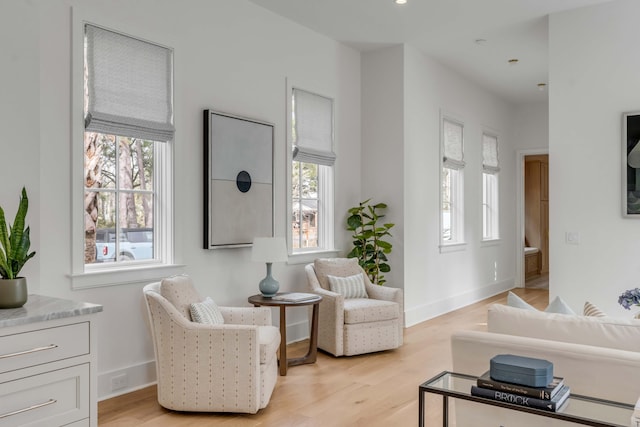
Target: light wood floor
{"x":378,"y":389}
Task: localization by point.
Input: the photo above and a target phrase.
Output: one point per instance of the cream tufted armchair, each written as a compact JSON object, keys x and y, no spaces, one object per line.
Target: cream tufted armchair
{"x":230,"y":367}
{"x":350,"y":326}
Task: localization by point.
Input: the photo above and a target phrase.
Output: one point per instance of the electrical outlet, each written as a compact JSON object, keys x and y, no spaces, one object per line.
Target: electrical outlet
{"x":119,"y":381}
{"x":572,"y":237}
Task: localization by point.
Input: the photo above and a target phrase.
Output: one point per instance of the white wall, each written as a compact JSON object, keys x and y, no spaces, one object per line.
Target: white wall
{"x":19,"y":119}
{"x":383,"y":145}
{"x":230,"y":56}
{"x":531,"y":127}
{"x":434,"y":282}
{"x":593,"y":79}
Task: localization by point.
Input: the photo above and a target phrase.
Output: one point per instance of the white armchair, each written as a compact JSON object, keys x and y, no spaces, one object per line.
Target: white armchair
{"x":350,"y":326}
{"x":230,"y":367}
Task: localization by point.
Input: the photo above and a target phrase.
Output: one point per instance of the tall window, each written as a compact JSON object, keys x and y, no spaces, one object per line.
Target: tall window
{"x":452,"y":196}
{"x":128,"y":113}
{"x":311,"y":171}
{"x":490,"y":169}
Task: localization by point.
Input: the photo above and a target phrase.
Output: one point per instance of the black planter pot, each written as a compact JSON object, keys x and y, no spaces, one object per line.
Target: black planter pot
{"x":13,"y":292}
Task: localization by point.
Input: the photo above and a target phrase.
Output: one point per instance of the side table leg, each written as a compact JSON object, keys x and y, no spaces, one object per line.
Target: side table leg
{"x":420,"y":408}
{"x":283,"y":342}
{"x":445,"y":411}
{"x":312,"y":352}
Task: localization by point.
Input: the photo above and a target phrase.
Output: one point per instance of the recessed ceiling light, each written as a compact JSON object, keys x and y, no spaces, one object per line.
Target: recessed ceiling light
{"x":401,"y":1}
{"x":513,"y":61}
{"x":481,"y":42}
{"x":542,"y":86}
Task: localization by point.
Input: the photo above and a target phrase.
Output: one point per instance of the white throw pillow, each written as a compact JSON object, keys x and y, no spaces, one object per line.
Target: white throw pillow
{"x":350,"y":286}
{"x":558,"y":305}
{"x":592,"y":310}
{"x":514,"y":300}
{"x":206,"y":312}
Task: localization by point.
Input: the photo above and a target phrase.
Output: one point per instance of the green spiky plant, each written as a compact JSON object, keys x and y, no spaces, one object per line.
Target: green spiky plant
{"x":14,"y":243}
{"x":369,"y":245}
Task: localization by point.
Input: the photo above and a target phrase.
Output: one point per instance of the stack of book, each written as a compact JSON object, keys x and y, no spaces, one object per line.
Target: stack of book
{"x":548,"y":398}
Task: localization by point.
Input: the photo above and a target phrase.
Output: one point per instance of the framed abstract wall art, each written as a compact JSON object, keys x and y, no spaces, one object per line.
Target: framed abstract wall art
{"x":238,"y":180}
{"x":631,"y":164}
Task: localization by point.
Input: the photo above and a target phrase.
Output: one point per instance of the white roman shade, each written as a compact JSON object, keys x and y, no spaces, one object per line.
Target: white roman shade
{"x":453,"y":157}
{"x":129,"y":86}
{"x":490,"y":154}
{"x":313,"y":126}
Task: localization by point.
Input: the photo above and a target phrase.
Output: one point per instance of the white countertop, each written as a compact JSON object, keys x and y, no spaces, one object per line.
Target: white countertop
{"x":40,"y":308}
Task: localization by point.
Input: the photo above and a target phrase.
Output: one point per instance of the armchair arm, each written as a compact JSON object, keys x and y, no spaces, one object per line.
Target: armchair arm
{"x":389,"y":294}
{"x":258,"y":316}
{"x":331,"y":315}
{"x":384,"y":293}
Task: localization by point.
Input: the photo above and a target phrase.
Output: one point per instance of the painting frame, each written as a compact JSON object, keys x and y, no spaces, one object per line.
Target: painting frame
{"x":631,"y":164}
{"x":238,"y":156}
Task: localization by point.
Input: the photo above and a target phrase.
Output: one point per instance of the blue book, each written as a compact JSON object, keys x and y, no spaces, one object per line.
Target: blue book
{"x":517,"y":399}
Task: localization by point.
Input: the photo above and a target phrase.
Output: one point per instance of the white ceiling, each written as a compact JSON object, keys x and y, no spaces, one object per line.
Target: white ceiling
{"x":446,"y":30}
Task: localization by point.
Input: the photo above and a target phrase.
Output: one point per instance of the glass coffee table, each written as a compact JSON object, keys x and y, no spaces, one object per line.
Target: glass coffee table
{"x":578,"y":409}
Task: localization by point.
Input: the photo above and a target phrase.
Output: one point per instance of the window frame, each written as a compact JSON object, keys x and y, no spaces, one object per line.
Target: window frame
{"x":326,"y":189}
{"x":490,"y":202}
{"x":490,"y":178}
{"x":108,"y":274}
{"x":457,"y":212}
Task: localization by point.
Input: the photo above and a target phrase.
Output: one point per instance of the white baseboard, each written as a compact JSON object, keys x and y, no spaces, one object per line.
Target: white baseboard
{"x":136,"y":377}
{"x":425,"y":312}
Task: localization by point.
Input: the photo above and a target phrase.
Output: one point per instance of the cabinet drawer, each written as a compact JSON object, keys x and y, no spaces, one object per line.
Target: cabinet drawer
{"x":53,"y":398}
{"x":40,"y":346}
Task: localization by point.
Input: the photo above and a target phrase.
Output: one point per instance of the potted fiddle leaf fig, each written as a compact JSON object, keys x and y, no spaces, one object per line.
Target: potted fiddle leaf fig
{"x":14,"y":253}
{"x":369,"y":244}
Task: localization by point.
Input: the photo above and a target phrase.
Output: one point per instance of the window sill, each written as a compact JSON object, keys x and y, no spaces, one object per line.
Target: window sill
{"x":490,"y":242}
{"x":310,"y":256}
{"x":125,"y":275}
{"x":452,"y":247}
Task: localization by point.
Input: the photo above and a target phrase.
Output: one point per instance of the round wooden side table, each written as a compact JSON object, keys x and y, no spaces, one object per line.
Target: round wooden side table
{"x":280,"y":301}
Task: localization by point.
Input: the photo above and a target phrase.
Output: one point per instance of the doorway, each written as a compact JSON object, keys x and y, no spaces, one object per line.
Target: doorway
{"x":532,"y":266}
{"x":536,"y":221}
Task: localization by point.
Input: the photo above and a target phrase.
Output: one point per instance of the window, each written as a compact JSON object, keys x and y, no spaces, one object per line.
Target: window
{"x":119,"y":195}
{"x":311,"y":172}
{"x":452,"y":195}
{"x":128,"y":123}
{"x":490,"y":169}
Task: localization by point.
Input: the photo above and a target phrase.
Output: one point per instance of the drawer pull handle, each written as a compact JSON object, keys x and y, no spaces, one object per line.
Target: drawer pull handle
{"x":33,"y":350}
{"x":30,"y":408}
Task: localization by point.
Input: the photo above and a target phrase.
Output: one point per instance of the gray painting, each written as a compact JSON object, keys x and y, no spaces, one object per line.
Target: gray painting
{"x":238,"y":180}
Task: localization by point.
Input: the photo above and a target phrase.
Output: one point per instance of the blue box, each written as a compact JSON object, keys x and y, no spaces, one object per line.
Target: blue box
{"x":521,"y":370}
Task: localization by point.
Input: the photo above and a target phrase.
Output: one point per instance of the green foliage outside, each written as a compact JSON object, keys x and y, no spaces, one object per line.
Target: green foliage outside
{"x":369,"y":245}
{"x":15,"y":243}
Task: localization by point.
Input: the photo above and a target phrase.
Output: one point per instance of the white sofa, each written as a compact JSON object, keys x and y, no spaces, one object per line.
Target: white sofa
{"x":599,"y":357}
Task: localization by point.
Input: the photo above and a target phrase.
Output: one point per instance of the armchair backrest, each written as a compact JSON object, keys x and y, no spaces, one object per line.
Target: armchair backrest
{"x":180,"y":291}
{"x":339,"y":267}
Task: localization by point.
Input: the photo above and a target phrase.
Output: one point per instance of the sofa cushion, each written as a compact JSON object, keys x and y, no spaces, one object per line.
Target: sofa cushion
{"x":622,"y":334}
{"x":593,"y":311}
{"x":361,"y":310}
{"x":180,"y":292}
{"x":350,"y":286}
{"x":514,"y":300}
{"x":339,"y":267}
{"x":558,"y":305}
